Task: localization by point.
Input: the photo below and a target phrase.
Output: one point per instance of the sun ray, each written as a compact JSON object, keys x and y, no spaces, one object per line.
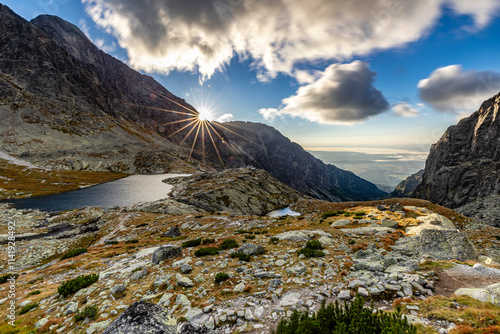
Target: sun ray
{"x":180,"y":105}
{"x":203,"y":141}
{"x":198,"y":126}
{"x":213,"y":142}
{"x":179,"y":121}
{"x":179,"y":130}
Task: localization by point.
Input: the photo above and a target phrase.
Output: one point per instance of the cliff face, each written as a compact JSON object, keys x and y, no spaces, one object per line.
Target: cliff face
{"x":464,"y":165}
{"x":65,"y":104}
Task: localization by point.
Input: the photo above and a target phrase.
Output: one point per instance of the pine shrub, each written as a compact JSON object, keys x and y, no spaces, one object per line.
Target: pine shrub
{"x":205,"y":251}
{"x":27,"y":308}
{"x":207,"y":241}
{"x":192,"y":243}
{"x":228,"y":244}
{"x":73,"y":253}
{"x":5,"y":277}
{"x":69,"y":287}
{"x":241,"y":256}
{"x":312,"y":249}
{"x":89,"y":312}
{"x":329,"y":214}
{"x":221,"y":277}
{"x":353,"y":317}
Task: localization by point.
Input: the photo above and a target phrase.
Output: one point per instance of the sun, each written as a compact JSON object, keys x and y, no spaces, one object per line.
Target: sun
{"x":206,"y":115}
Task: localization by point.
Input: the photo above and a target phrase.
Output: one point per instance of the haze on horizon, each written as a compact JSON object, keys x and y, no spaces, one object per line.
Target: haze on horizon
{"x":355,"y":74}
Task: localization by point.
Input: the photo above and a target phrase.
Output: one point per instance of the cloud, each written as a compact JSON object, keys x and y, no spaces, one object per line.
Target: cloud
{"x":343,"y":94}
{"x":451,"y":89}
{"x":225,"y":118}
{"x":404,"y":109}
{"x":204,"y":35}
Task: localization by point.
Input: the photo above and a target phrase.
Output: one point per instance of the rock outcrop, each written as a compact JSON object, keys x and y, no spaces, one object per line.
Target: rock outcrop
{"x":143,"y":318}
{"x":243,"y":191}
{"x":406,"y":187}
{"x":464,"y":165}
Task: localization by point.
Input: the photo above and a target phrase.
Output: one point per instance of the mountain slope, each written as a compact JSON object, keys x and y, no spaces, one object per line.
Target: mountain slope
{"x":464,"y":165}
{"x":406,"y":187}
{"x":68,"y":105}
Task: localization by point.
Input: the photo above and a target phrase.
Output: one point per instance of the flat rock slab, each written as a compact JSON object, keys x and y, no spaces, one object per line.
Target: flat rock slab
{"x":446,"y":245}
{"x":290,"y":299}
{"x":431,"y":221}
{"x":142,"y":317}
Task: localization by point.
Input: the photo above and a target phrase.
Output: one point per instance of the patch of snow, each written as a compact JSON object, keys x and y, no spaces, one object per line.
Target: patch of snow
{"x":283,"y":212}
{"x":16,"y":161}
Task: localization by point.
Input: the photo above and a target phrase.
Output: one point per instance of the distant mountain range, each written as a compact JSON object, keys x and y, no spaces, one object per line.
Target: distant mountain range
{"x":66,"y":104}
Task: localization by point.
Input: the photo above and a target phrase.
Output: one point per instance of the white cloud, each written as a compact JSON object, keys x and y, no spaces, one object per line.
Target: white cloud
{"x":343,"y":94}
{"x":451,"y":89}
{"x":225,"y":118}
{"x":404,"y":109}
{"x":204,"y":35}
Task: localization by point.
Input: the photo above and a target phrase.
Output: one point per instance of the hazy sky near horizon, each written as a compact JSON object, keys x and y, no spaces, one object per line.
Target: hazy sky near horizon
{"x":326,"y":73}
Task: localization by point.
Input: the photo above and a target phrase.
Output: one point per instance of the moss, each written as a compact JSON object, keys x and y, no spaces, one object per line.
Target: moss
{"x":27,"y":308}
{"x":73,"y":253}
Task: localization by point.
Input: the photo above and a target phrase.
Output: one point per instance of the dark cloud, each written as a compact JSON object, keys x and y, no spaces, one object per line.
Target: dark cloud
{"x":344,"y":93}
{"x":451,"y":89}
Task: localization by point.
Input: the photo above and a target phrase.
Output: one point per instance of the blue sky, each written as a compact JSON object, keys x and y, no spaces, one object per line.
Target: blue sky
{"x":325,"y":73}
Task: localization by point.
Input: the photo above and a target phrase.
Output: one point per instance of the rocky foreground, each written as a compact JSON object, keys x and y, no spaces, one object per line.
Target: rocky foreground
{"x":404,"y":252}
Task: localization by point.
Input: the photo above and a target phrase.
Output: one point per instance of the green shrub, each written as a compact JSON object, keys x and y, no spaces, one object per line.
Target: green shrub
{"x":198,"y":216}
{"x":27,"y":308}
{"x":80,"y":282}
{"x":358,"y":217}
{"x":241,"y":256}
{"x":205,"y":251}
{"x":351,"y":242}
{"x":329,"y":214}
{"x":143,"y":224}
{"x":312,"y":249}
{"x":274,"y":240}
{"x":347,"y":214}
{"x":192,"y":243}
{"x":300,"y":217}
{"x":221,"y":277}
{"x":249,"y":237}
{"x":36,"y":292}
{"x":5,"y":277}
{"x":207,"y":241}
{"x":359,"y":213}
{"x":133,"y":241}
{"x":353,"y":317}
{"x":73,"y":253}
{"x":89,"y":312}
{"x":228,"y":244}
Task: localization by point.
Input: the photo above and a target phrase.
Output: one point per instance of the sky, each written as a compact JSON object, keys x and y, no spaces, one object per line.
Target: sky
{"x":326,"y":73}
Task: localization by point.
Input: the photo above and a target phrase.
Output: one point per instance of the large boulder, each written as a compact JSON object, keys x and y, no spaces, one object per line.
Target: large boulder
{"x":446,"y":245}
{"x":172,"y":232}
{"x":251,"y":249}
{"x":166,"y":252}
{"x":142,"y":318}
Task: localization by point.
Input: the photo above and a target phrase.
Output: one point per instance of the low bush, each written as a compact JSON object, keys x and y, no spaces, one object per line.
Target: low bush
{"x":205,"y":251}
{"x":207,"y":241}
{"x":353,"y":317}
{"x":73,"y":253}
{"x":27,"y":308}
{"x":89,"y":312}
{"x":329,"y":214}
{"x":221,"y":277}
{"x":36,"y":292}
{"x":5,"y":277}
{"x":241,"y":256}
{"x":69,"y":287}
{"x":274,"y":240}
{"x":133,"y":241}
{"x":250,"y":237}
{"x":312,"y":249}
{"x":228,"y":244}
{"x":192,"y":243}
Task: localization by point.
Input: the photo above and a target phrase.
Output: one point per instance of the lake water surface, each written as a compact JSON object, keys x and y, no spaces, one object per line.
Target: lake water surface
{"x":129,"y":190}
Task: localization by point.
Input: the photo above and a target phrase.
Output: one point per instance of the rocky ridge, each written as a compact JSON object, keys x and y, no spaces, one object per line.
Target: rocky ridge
{"x":406,"y":187}
{"x":380,"y":254}
{"x":463,"y":165}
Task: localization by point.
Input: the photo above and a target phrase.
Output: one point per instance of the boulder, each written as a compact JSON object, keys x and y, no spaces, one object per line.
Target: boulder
{"x":446,"y":245}
{"x":389,"y":223}
{"x":483,"y":295}
{"x":172,"y":232}
{"x":142,"y":317}
{"x":166,"y":252}
{"x":341,"y":222}
{"x":251,"y":249}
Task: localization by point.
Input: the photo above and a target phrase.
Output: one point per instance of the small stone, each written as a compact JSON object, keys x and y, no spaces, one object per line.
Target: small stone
{"x":363,"y":292}
{"x":166,"y":252}
{"x":186,"y":268}
{"x":185,"y":282}
{"x":117,"y":288}
{"x":172,"y":232}
{"x":249,"y":316}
